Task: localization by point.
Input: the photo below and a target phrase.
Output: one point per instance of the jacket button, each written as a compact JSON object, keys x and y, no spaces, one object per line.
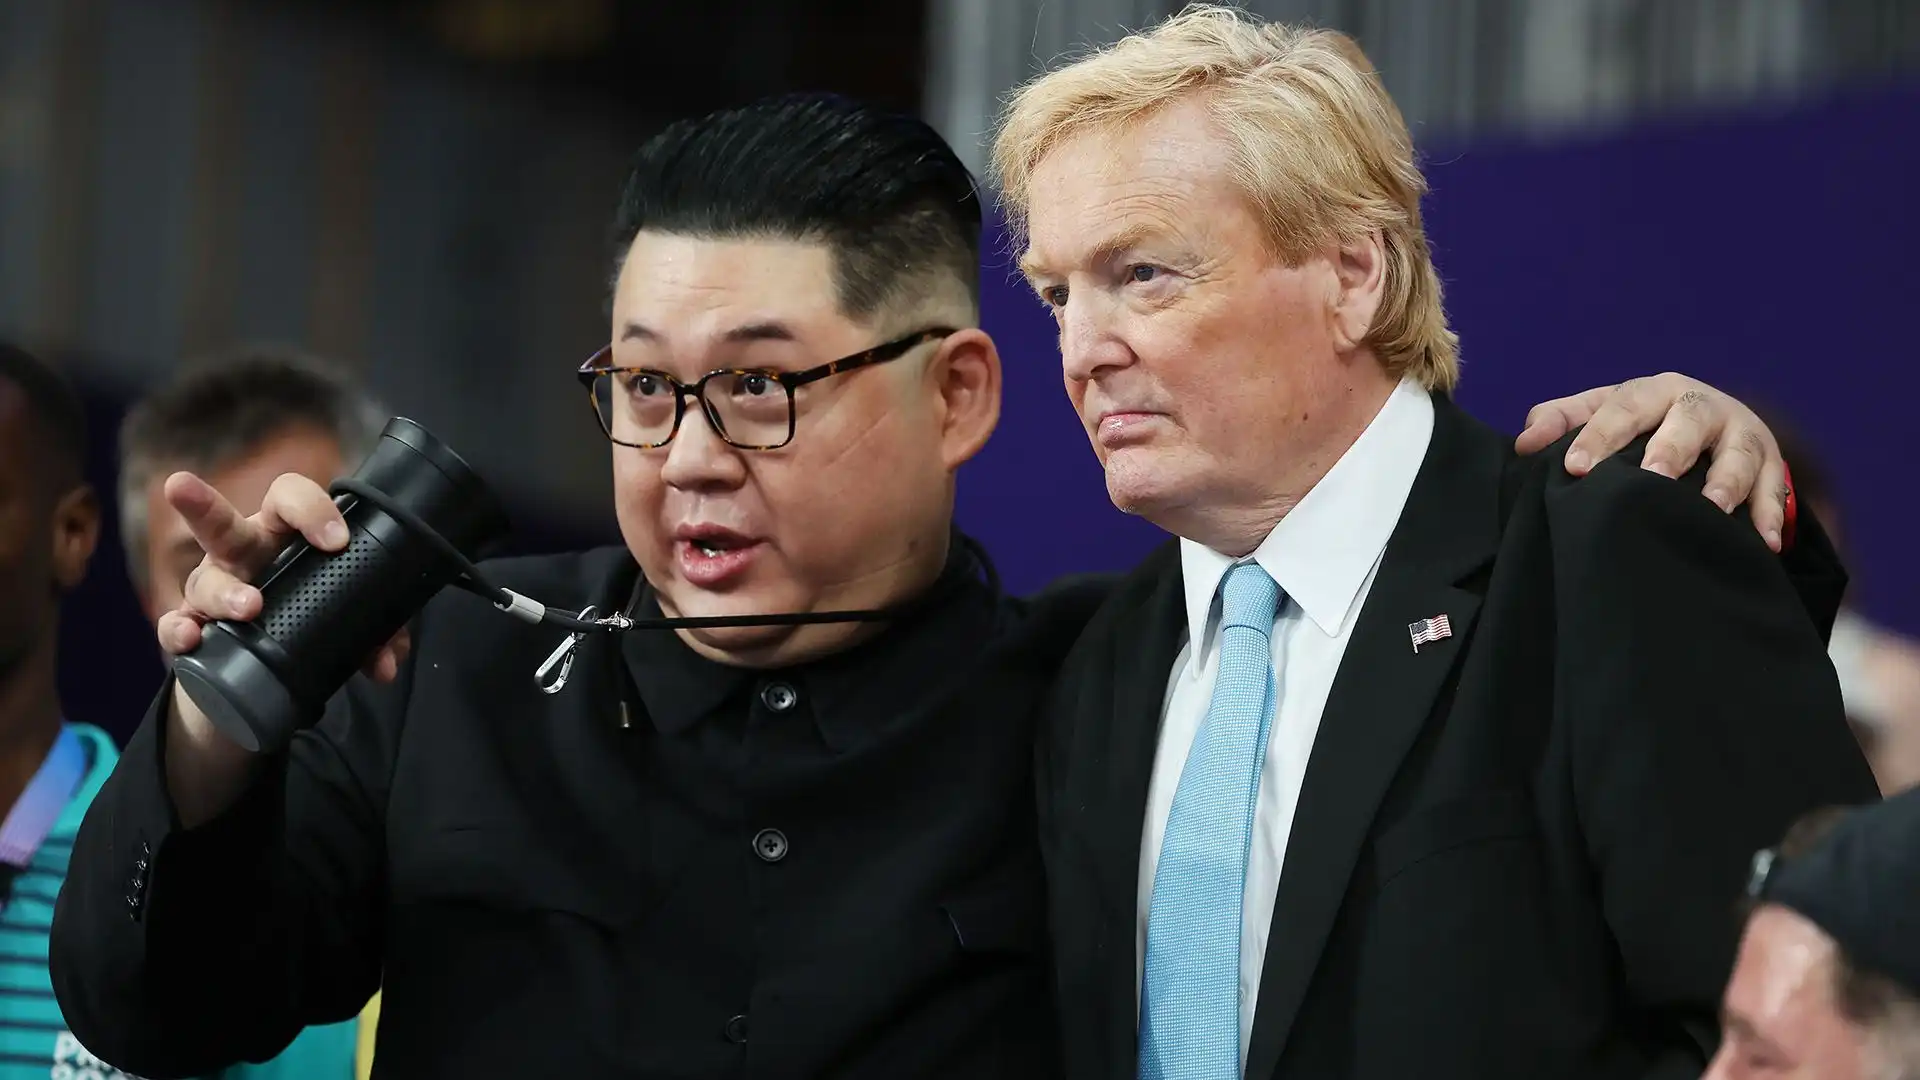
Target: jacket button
{"x":770,"y":845}
{"x":779,"y":696}
{"x":737,"y":1030}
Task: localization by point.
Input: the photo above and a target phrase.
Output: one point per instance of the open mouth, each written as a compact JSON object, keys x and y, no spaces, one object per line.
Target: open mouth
{"x":710,"y":556}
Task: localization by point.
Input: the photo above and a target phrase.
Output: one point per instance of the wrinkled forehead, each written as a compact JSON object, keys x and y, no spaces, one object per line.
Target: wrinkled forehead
{"x":693,"y":295}
{"x":1783,"y":981}
{"x":1100,"y":189}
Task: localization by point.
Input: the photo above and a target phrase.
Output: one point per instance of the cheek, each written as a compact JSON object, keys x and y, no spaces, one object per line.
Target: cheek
{"x":637,"y":492}
{"x":839,"y":494}
{"x":857,"y":475}
{"x":1076,"y":391}
{"x":1252,"y":365}
{"x":13,"y":532}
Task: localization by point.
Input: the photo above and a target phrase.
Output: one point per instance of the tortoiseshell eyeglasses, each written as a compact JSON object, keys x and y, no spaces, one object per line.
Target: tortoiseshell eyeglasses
{"x":751,"y":410}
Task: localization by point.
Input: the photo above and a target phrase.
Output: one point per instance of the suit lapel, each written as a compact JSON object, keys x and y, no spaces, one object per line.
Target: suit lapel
{"x":1380,"y":700}
{"x":1119,"y":725}
{"x":1140,"y":657}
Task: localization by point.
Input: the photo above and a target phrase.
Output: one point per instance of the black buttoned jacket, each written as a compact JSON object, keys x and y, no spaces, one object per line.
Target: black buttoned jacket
{"x":669,"y":868}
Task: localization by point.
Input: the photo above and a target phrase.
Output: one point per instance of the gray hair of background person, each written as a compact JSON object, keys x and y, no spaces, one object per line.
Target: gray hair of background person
{"x":223,"y":407}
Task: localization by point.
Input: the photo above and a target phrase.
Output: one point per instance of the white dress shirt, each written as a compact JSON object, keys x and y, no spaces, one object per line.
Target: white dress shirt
{"x":1323,"y":555}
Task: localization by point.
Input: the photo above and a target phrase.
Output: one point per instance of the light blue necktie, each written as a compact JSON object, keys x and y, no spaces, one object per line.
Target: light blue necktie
{"x":1190,"y":994}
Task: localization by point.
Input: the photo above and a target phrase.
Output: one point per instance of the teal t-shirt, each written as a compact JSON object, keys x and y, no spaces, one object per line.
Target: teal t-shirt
{"x":34,"y":1041}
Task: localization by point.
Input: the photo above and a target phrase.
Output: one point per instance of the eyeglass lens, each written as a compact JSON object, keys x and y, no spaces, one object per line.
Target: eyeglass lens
{"x":639,"y":407}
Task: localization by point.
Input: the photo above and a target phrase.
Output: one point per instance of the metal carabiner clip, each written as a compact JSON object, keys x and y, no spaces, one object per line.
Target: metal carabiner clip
{"x":562,"y":657}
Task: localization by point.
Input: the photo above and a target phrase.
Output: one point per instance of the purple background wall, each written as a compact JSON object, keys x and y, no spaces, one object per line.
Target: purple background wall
{"x":1773,"y":254}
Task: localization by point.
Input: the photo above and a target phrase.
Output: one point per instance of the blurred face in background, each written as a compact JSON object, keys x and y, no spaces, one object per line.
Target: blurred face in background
{"x":1781,"y":1020}
{"x":855,"y":511}
{"x":172,"y":552}
{"x":46,"y":537}
{"x":1207,"y":373}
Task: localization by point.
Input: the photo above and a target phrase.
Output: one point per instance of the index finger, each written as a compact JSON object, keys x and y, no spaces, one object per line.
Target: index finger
{"x":1549,"y":420}
{"x":220,"y":530}
{"x":1639,"y":405}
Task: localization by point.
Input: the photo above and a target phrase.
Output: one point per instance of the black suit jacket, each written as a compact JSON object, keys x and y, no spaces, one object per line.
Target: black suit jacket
{"x":1517,"y":852}
{"x":569,"y":886}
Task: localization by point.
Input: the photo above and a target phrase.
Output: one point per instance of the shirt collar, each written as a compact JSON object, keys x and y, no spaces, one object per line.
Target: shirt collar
{"x":848,"y":694}
{"x":1321,"y":553}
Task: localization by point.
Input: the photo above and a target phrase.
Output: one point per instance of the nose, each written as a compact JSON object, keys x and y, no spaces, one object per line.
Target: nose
{"x":1089,"y":347}
{"x":699,"y":458}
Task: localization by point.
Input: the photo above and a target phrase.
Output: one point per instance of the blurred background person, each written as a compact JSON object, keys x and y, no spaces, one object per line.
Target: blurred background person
{"x":50,"y":766}
{"x":1879,"y":667}
{"x":1880,"y":679}
{"x":238,"y":420}
{"x":1827,"y":985}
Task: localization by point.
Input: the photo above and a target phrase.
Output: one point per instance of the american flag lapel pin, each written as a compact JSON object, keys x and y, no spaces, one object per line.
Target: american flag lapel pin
{"x":1427,"y":631}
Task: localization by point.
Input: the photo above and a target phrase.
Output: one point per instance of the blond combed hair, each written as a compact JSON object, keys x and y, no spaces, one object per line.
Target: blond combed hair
{"x":1316,"y":144}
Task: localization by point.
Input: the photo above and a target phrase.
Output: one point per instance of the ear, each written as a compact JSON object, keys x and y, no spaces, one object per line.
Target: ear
{"x":965,"y":375}
{"x":76,"y":529}
{"x":1360,"y":270}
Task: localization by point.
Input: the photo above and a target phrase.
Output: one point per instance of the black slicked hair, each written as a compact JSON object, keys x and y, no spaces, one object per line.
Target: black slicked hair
{"x":881,"y":190}
{"x":53,"y":405}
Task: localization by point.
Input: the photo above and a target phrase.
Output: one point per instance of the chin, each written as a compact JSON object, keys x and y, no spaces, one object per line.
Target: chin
{"x":740,"y":641}
{"x":683,"y":600}
{"x":1140,"y":486}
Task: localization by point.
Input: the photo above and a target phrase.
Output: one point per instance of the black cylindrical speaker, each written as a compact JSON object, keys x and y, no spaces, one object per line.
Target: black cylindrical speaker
{"x":325,"y":613}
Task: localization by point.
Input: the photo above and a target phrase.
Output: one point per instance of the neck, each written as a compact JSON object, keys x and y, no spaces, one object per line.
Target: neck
{"x":1235,"y":526}
{"x":29,"y":715}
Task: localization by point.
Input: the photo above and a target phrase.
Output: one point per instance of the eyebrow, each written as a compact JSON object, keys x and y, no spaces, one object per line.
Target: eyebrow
{"x":1128,"y":237}
{"x":762,"y":330}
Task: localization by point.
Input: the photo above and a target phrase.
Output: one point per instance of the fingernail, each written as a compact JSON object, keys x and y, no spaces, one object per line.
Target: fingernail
{"x":237,"y":598}
{"x":335,"y":533}
{"x":1718,"y":496}
{"x":1659,"y":468}
{"x":1579,"y":460}
{"x":1773,"y":539}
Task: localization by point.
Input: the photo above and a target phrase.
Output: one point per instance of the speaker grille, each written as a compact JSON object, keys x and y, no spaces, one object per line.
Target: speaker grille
{"x":310,"y":592}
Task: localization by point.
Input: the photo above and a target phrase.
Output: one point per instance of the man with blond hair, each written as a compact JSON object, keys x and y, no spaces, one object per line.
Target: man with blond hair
{"x":1397,"y":762}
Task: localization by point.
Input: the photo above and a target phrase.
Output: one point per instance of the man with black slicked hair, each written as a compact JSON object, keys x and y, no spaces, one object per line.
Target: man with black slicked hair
{"x":882,"y":192}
